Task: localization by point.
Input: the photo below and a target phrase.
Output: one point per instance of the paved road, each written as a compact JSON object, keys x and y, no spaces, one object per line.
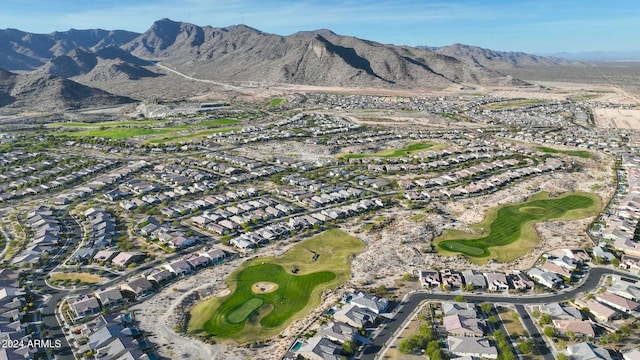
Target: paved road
{"x":539,"y":342}
{"x":413,"y":301}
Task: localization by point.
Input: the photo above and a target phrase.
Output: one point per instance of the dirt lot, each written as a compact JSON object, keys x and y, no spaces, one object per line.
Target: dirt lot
{"x":618,"y":118}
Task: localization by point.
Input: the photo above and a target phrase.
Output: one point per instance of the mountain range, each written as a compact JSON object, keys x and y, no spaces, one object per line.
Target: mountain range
{"x":235,"y":53}
{"x":498,"y":60}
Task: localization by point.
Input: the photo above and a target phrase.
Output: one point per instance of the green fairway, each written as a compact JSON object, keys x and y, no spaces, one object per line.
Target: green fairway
{"x":391,"y":153}
{"x":508,"y":232}
{"x":118,"y":133}
{"x":245,"y":315}
{"x":195,"y":135}
{"x":276,"y":102}
{"x":244,"y":310}
{"x":517,"y":103}
{"x":578,"y":153}
{"x":147,"y":128}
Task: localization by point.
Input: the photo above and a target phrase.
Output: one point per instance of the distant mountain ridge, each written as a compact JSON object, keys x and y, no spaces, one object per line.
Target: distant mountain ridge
{"x":104,"y":64}
{"x":241,"y":53}
{"x":498,"y":60}
{"x":25,"y":51}
{"x":115,"y":60}
{"x":48,"y":92}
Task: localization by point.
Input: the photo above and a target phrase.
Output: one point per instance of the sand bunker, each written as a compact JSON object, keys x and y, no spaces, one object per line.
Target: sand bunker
{"x":264,"y":287}
{"x":223,"y":293}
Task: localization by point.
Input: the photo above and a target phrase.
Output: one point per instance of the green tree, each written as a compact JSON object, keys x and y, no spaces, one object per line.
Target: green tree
{"x":349,"y":347}
{"x":545,"y":319}
{"x":486,"y":307}
{"x":525,"y":347}
{"x":460,"y":298}
{"x":550,"y":332}
{"x":405,"y":346}
{"x":615,"y":262}
{"x":381,"y":291}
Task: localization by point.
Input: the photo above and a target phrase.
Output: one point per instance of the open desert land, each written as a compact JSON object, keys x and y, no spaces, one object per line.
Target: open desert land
{"x":618,"y":118}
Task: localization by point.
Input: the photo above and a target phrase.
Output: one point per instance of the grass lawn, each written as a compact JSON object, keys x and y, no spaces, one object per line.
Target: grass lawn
{"x":578,"y":153}
{"x":149,"y":128}
{"x":276,"y":102}
{"x":195,"y":135}
{"x":117,"y":133}
{"x":418,"y":217}
{"x":392,"y":153}
{"x":508,"y":232}
{"x":510,"y":104}
{"x":84,"y":277}
{"x":245,"y":316}
{"x":108,"y":124}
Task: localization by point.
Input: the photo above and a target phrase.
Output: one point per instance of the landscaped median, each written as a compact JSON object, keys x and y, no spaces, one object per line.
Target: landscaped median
{"x":508,"y":230}
{"x":267,"y":294}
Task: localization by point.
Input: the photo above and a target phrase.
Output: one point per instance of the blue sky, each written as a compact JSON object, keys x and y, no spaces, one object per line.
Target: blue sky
{"x":540,"y":26}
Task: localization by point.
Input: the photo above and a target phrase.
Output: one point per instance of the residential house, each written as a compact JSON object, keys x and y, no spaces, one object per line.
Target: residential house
{"x":451,"y":279}
{"x":631,"y":263}
{"x":215,"y":255}
{"x":126,"y":258}
{"x":140,"y":287}
{"x":319,"y":348}
{"x":600,"y":311}
{"x":617,"y":302}
{"x":179,"y":268}
{"x":474,"y":279}
{"x":626,"y":289}
{"x":109,"y":297}
{"x":180,"y":241}
{"x":587,"y":351}
{"x":546,"y":278}
{"x":561,"y":312}
{"x":565,"y":261}
{"x":519,"y":281}
{"x":105,"y":333}
{"x":579,"y":255}
{"x":241,"y":243}
{"x":105,"y":255}
{"x":467,"y":310}
{"x":429,"y":278}
{"x":354,"y":316}
{"x":459,"y":325}
{"x":337,"y":331}
{"x":83,"y":305}
{"x":197,"y":261}
{"x":581,"y":328}
{"x":372,"y":303}
{"x":471,"y":347}
{"x":556,"y":269}
{"x":159,"y":276}
{"x":496,"y":281}
{"x":632,"y":354}
{"x":601,"y":253}
{"x":629,"y":247}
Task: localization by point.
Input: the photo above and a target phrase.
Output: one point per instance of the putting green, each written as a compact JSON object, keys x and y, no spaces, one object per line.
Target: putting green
{"x":508,"y":230}
{"x":242,"y":313}
{"x":246,"y":315}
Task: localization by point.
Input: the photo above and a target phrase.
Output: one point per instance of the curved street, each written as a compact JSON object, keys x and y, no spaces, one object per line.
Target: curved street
{"x":413,"y":300}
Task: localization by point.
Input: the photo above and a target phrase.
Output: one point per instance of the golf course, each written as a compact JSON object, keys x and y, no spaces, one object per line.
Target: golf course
{"x":508,"y":232}
{"x":157,"y":131}
{"x":409,"y":150}
{"x":267,"y":294}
